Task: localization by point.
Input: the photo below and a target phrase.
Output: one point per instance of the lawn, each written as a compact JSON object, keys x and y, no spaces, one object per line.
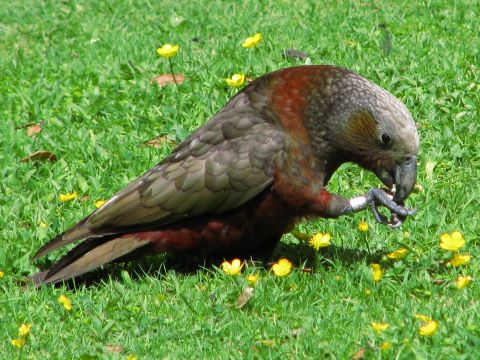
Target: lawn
{"x":82,"y":70}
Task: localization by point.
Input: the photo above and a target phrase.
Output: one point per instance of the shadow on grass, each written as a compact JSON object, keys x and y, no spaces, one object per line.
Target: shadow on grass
{"x":187,"y":263}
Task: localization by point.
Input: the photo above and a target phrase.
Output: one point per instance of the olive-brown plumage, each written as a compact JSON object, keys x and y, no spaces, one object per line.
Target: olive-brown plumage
{"x":245,"y":177}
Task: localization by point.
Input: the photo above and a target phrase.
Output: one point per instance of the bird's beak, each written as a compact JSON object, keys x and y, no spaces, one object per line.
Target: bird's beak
{"x":403,"y":176}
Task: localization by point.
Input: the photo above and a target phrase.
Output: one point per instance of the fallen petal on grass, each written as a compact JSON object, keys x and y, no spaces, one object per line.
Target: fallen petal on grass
{"x":246,"y":294}
{"x":34,"y":129}
{"x":166,"y":79}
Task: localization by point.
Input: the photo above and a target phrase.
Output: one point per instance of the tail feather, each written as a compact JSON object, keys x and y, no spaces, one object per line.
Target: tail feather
{"x":78,"y":232}
{"x":87,"y":256}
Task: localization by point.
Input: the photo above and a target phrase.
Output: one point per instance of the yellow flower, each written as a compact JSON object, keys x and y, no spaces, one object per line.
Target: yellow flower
{"x":377,"y":272}
{"x":43,"y":225}
{"x":463,"y":281}
{"x":65,"y":301}
{"x":67,"y":196}
{"x":363,"y":226}
{"x":236,"y":80}
{"x":24,"y":329}
{"x":252,"y":279}
{"x":429,"y":326}
{"x":398,"y":254}
{"x":386,"y":345}
{"x":18,"y":342}
{"x":131,"y":357}
{"x":379,"y":327}
{"x":252,"y":41}
{"x":282,"y":267}
{"x":320,"y":240}
{"x":168,"y":50}
{"x":233,"y":268}
{"x":99,"y":203}
{"x":452,"y":242}
{"x":460,"y":259}
{"x":2,"y":274}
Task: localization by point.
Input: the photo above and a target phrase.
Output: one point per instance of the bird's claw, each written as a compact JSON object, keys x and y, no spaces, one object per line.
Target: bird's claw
{"x":381,"y":197}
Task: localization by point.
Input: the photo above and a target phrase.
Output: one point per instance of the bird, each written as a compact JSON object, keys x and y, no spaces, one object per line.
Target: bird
{"x":253,"y":171}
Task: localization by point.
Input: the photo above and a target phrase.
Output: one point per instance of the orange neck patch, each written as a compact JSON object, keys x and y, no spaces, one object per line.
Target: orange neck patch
{"x":289,"y":100}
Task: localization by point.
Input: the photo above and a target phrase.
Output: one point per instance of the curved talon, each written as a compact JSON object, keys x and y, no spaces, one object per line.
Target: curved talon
{"x":396,"y":221}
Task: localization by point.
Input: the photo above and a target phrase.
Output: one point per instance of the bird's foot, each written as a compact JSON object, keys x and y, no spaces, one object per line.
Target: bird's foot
{"x":382,"y":197}
{"x":376,"y":197}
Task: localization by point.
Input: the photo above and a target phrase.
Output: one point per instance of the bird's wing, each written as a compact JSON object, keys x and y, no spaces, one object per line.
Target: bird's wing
{"x":219,"y":167}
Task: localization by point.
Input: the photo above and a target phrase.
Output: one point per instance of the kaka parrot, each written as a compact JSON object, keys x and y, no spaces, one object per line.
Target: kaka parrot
{"x":261,"y":164}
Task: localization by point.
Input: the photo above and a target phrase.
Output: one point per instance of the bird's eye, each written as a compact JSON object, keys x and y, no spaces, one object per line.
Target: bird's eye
{"x":386,"y":140}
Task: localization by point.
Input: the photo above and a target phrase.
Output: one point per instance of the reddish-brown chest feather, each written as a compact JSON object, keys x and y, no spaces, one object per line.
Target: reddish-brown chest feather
{"x":299,"y":173}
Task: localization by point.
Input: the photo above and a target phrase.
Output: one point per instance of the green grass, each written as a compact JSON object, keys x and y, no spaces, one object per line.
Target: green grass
{"x":84,"y":70}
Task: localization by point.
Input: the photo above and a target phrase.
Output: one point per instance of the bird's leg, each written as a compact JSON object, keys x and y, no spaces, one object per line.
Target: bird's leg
{"x":376,"y":197}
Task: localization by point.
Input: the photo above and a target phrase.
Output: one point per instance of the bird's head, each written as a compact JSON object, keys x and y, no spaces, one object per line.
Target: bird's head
{"x":372,"y":128}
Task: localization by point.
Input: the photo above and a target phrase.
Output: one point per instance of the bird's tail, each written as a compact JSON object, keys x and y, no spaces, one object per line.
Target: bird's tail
{"x":87,"y":256}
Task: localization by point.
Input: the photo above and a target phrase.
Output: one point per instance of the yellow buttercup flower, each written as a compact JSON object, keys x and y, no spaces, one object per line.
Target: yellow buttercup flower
{"x":24,"y":329}
{"x":429,"y":326}
{"x":363,"y":226}
{"x":236,"y":80}
{"x":320,"y":240}
{"x":379,"y":327}
{"x":168,"y":50}
{"x":65,"y":301}
{"x":99,"y":203}
{"x":2,"y":274}
{"x":67,"y":196}
{"x":252,"y":279}
{"x":232,"y":268}
{"x":377,"y":272}
{"x":131,"y":357}
{"x":463,"y":281}
{"x":452,"y":242}
{"x":18,"y":342}
{"x":386,"y":345}
{"x":460,"y":259}
{"x":252,"y":41}
{"x":398,"y":254}
{"x":282,"y":267}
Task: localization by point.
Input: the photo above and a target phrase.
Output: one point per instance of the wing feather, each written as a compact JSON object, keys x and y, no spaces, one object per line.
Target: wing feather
{"x":218,"y":168}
